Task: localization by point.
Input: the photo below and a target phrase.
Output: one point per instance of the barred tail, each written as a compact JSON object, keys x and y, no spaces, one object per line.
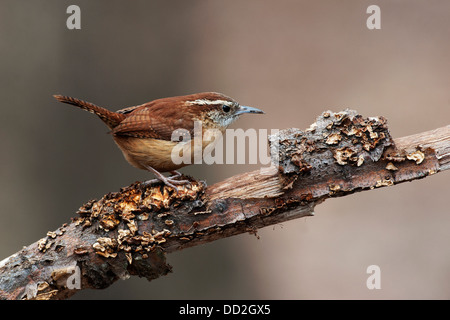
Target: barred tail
{"x":110,"y":118}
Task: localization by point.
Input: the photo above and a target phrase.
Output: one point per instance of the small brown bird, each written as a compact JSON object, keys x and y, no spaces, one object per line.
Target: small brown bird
{"x":144,"y":132}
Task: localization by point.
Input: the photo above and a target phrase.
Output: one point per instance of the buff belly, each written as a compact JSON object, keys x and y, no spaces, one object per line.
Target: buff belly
{"x":142,"y":152}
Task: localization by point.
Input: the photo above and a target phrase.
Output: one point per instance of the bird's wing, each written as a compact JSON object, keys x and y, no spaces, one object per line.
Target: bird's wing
{"x":127,"y":110}
{"x":147,"y":122}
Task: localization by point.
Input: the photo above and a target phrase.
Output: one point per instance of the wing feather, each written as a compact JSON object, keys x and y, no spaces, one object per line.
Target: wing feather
{"x":147,"y":122}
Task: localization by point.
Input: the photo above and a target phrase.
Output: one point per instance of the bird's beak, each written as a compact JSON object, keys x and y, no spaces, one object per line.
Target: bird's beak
{"x":245,"y":109}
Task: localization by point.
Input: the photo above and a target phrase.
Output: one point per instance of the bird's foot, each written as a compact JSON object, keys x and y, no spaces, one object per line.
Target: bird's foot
{"x":170,"y":181}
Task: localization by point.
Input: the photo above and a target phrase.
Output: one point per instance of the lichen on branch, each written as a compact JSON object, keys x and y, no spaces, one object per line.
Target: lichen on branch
{"x":129,"y":232}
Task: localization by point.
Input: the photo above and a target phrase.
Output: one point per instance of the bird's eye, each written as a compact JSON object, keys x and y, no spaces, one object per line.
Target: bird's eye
{"x":226,"y":108}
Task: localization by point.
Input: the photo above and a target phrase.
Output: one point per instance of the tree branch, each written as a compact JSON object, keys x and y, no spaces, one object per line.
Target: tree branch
{"x":128,"y":232}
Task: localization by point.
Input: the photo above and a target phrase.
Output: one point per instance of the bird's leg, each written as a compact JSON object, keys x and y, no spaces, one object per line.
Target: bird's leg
{"x":175,"y":174}
{"x":169,"y":181}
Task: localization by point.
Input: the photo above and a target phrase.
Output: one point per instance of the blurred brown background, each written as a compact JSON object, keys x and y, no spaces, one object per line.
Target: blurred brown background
{"x":293,"y":59}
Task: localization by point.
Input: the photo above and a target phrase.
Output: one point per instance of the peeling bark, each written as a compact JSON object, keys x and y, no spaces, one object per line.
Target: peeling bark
{"x":129,"y":232}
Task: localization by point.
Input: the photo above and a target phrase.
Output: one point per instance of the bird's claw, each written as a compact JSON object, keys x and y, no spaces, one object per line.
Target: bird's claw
{"x":168,"y":181}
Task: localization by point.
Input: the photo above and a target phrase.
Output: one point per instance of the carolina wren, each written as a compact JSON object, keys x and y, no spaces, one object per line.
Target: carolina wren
{"x":144,"y":132}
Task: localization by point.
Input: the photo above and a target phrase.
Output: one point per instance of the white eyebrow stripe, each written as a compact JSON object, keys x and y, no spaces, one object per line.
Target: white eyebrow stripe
{"x":203,"y":102}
